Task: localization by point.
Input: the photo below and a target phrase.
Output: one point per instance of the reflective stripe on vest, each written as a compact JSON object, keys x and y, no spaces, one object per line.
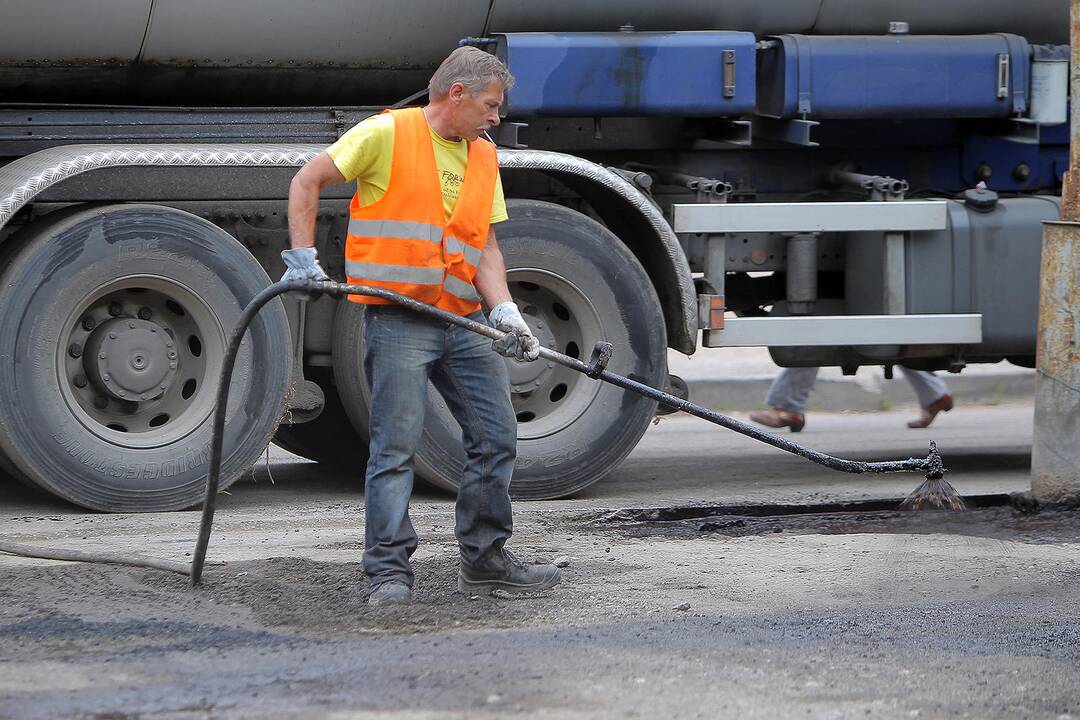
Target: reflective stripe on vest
{"x":405,"y":230}
{"x":394,"y":273}
{"x":400,"y":229}
{"x":464,"y":290}
{"x":472,"y":254}
{"x":413,"y":276}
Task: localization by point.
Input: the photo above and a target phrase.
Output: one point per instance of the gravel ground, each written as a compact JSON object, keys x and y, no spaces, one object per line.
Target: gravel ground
{"x":768,"y":606}
{"x":827,"y":615}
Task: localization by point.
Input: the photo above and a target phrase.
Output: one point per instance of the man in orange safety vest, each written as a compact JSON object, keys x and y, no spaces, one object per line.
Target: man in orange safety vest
{"x":421,"y":224}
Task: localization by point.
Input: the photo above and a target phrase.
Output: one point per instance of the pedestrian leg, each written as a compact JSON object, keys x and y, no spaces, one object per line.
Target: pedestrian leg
{"x":791,"y":389}
{"x":928,"y":387}
{"x":787,"y":399}
{"x":933,"y":394}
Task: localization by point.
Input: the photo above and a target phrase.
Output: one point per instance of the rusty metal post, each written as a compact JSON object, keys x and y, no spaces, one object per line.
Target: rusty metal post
{"x":1055,"y":454}
{"x":1070,"y":194}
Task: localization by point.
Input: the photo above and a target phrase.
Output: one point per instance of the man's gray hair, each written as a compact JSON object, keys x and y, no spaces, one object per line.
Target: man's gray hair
{"x":473,"y":68}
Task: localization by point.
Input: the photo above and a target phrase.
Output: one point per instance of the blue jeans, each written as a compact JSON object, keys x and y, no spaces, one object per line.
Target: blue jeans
{"x":402,"y":351}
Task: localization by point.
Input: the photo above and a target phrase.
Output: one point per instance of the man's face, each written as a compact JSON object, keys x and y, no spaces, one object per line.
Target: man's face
{"x":474,"y":114}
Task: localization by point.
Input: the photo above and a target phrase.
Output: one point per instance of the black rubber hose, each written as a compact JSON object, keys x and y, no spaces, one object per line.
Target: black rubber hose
{"x":98,"y":557}
{"x":595,"y":368}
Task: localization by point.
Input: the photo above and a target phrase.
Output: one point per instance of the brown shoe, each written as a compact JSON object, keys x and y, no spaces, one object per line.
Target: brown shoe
{"x":929,"y":412}
{"x":777,"y":418}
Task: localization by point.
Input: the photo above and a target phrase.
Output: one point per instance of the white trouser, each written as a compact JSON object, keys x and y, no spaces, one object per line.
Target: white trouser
{"x":792,"y":386}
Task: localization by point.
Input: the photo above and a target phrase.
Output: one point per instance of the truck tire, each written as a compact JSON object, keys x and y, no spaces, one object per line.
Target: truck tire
{"x":125,"y":311}
{"x":9,"y":248}
{"x":330,"y":439}
{"x":575,"y":283}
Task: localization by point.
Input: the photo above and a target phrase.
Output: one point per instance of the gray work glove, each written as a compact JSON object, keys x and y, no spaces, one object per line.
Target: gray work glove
{"x":303,"y":264}
{"x":506,"y":317}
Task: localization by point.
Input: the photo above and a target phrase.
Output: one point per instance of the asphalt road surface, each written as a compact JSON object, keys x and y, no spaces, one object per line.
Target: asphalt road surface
{"x":710,"y":576}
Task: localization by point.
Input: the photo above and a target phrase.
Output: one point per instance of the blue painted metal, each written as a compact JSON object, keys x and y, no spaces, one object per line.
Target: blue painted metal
{"x":700,"y":73}
{"x":892,"y":76}
{"x":1044,"y":162}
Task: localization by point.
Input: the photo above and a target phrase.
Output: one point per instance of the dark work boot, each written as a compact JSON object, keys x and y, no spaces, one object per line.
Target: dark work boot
{"x":501,"y":570}
{"x":391,"y":592}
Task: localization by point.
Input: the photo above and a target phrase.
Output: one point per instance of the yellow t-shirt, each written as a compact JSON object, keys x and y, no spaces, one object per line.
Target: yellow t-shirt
{"x":365,"y":153}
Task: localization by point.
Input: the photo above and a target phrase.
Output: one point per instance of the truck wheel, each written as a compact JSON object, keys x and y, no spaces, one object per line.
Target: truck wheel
{"x":329,"y":439}
{"x":8,"y":250}
{"x":575,"y":283}
{"x":114,"y":326}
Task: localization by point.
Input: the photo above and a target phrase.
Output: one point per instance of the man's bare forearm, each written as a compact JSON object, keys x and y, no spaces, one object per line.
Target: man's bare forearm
{"x":490,"y":277}
{"x":304,"y":192}
{"x":303,"y":207}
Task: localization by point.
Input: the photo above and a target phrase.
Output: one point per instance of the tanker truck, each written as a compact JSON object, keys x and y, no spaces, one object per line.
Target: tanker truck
{"x":845,"y":182}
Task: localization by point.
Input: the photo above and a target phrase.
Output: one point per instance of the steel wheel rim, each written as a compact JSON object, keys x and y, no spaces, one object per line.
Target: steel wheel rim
{"x":131,"y":325}
{"x":546,"y":396}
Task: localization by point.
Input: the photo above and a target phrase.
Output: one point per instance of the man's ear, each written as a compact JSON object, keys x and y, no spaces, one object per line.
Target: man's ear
{"x":457,"y":91}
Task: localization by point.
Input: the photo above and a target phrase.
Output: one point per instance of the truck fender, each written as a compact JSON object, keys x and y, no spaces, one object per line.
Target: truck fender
{"x":22,"y":180}
{"x":637,"y":222}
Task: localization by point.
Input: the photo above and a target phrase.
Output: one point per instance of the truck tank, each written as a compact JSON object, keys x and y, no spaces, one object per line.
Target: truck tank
{"x":196,"y":114}
{"x":278,"y":52}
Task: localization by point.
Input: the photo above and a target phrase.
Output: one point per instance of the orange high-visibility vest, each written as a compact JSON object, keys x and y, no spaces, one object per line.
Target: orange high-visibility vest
{"x":403,"y":241}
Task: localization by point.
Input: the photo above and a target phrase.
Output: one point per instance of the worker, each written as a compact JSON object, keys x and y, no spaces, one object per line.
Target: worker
{"x":428,"y":195}
{"x":790,"y":389}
